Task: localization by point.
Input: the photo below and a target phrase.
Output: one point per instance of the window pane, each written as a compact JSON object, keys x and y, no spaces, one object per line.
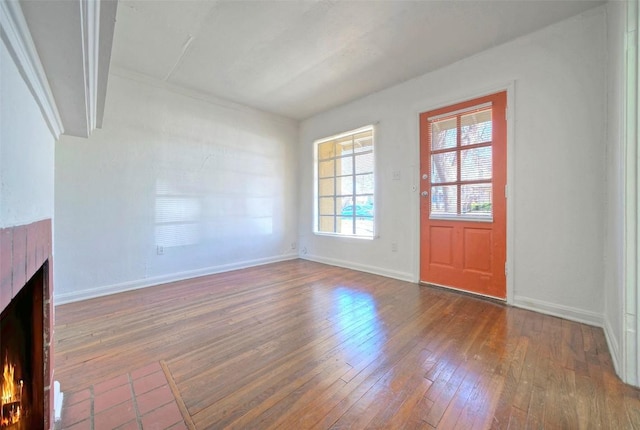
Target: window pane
{"x":326,"y":205}
{"x":476,"y":164}
{"x":364,"y":226}
{"x":345,"y":225}
{"x":344,"y":146}
{"x":326,"y":150}
{"x":364,"y":184}
{"x":326,"y":224}
{"x":363,"y":141}
{"x":444,"y":134}
{"x":362,"y":208}
{"x":344,"y":203}
{"x":476,"y":127}
{"x":476,"y":199}
{"x":364,"y":163}
{"x":344,"y":165}
{"x":325,"y":187}
{"x":444,"y":200}
{"x":444,"y":167}
{"x":344,"y":185}
{"x":325,"y":169}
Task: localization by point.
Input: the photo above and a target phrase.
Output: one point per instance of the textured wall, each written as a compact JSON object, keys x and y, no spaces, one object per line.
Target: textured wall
{"x":556,"y":170}
{"x":173,"y":186}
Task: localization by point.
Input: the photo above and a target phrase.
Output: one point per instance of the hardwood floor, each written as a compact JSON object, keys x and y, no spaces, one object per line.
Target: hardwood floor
{"x":300,"y":345}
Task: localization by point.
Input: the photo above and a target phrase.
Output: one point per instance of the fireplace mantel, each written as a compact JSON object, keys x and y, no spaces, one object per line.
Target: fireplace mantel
{"x":23,"y":251}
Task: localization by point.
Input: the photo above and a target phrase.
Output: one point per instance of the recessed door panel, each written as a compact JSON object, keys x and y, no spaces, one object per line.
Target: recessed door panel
{"x":442,"y":245}
{"x":478,"y":249}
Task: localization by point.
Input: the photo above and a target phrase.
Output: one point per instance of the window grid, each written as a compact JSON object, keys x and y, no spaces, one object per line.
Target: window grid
{"x":457,"y":151}
{"x":340,"y":160}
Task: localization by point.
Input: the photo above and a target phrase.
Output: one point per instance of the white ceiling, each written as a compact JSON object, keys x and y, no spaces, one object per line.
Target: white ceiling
{"x":299,"y":58}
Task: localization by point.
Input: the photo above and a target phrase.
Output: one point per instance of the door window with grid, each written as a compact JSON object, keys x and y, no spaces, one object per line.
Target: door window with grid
{"x":461,"y":164}
{"x":345,"y":184}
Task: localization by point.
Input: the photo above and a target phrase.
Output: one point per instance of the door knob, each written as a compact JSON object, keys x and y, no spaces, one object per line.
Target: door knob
{"x":425,"y":193}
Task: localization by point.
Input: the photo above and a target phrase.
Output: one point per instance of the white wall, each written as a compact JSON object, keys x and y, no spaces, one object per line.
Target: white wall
{"x":557,"y":172}
{"x":26,"y":151}
{"x":211,"y":182}
{"x":613,"y":287}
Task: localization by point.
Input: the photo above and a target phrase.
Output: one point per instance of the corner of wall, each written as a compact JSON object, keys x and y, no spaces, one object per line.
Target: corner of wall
{"x":612,"y":343}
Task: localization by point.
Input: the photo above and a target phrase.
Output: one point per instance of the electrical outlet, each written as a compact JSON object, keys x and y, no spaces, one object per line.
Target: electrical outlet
{"x":160,"y":250}
{"x":293,"y":245}
{"x":394,"y":246}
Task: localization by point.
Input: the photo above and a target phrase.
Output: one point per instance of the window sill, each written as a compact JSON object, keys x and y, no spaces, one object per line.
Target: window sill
{"x":345,"y":236}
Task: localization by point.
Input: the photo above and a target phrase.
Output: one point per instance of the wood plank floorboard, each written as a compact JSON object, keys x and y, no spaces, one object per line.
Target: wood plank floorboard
{"x":301,"y":345}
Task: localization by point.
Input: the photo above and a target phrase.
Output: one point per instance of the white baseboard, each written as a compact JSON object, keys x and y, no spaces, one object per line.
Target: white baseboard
{"x":614,"y":348}
{"x":90,"y":293}
{"x":561,"y":311}
{"x":402,"y":276}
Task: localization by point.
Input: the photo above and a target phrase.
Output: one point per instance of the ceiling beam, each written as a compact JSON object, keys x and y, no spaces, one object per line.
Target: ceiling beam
{"x":74,"y":40}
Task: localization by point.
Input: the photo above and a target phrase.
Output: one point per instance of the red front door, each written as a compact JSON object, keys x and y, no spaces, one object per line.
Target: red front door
{"x":463,"y":167}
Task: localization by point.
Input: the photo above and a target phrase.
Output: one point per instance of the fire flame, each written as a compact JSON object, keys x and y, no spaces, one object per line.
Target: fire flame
{"x":11,"y":400}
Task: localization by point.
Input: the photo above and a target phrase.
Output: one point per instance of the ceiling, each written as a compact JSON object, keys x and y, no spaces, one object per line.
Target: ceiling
{"x":299,"y":58}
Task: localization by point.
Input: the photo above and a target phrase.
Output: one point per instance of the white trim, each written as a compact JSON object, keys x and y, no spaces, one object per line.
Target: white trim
{"x":90,"y":293}
{"x":630,"y":364}
{"x":614,"y":348}
{"x":510,"y":88}
{"x":90,"y":22}
{"x":58,"y":397}
{"x":401,"y":276}
{"x":561,"y":311}
{"x":511,"y":186}
{"x":369,"y":127}
{"x":17,"y":38}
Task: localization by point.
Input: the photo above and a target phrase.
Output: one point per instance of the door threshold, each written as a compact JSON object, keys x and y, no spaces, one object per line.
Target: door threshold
{"x":470,"y":293}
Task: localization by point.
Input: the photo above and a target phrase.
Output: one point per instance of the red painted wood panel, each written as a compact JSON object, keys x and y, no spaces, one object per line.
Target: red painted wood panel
{"x":6,"y":266}
{"x":477,"y":247}
{"x":19,"y":259}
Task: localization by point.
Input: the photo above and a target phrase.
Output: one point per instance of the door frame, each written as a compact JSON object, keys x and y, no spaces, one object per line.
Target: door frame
{"x":452,"y":99}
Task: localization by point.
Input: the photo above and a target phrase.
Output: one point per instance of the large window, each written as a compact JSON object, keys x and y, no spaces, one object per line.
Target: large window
{"x":345,"y":184}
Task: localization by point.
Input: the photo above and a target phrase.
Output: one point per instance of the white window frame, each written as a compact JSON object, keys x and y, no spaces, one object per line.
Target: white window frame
{"x":316,"y":212}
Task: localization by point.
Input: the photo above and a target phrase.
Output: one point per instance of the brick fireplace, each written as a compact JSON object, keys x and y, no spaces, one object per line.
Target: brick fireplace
{"x":26,"y":284}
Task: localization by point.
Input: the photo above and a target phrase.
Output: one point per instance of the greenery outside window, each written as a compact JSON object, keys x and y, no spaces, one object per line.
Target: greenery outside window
{"x":345,"y":184}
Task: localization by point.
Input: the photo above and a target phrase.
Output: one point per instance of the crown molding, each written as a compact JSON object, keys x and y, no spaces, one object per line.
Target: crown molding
{"x":17,"y":38}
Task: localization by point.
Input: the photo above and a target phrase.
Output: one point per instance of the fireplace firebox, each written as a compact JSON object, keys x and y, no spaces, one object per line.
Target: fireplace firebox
{"x":26,"y":327}
{"x":21,"y":358}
